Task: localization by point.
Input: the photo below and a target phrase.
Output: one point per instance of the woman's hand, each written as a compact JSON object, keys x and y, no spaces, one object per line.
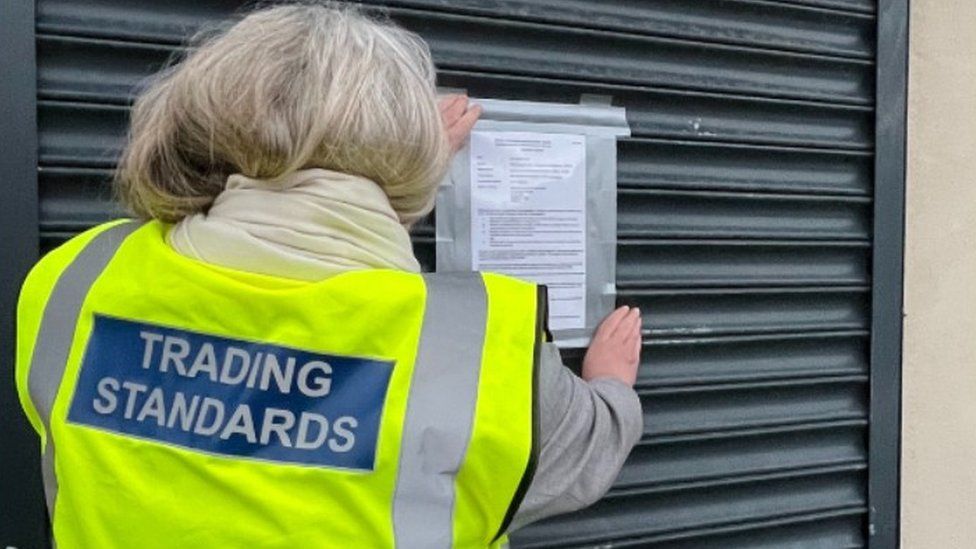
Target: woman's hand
{"x":458,"y":119}
{"x":616,"y":347}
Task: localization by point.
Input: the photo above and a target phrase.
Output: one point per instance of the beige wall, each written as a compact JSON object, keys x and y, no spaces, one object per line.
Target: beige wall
{"x":939,"y":370}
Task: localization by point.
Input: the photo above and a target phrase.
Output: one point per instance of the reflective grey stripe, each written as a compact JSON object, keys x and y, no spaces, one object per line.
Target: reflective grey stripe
{"x":54,"y":338}
{"x":440,"y":409}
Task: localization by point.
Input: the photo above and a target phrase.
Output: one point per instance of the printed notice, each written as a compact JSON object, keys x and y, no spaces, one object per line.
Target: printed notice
{"x":528,"y":214}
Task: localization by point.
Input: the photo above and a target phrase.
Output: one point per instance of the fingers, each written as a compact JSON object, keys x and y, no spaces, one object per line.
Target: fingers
{"x":628,"y":325}
{"x":611,"y":322}
{"x":447,"y":101}
{"x":633,"y":343}
{"x":458,"y":118}
{"x":459,"y":130}
{"x":622,"y":328}
{"x":453,"y":109}
{"x":616,"y":347}
{"x":467,"y":121}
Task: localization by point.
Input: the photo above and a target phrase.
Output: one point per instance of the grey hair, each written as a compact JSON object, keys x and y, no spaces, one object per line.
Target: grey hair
{"x":287,"y":88}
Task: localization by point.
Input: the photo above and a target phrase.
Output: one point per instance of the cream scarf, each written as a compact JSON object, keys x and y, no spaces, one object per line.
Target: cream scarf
{"x":309,"y":225}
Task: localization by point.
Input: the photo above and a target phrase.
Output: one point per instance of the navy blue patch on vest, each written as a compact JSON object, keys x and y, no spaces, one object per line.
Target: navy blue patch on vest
{"x":229,"y":396}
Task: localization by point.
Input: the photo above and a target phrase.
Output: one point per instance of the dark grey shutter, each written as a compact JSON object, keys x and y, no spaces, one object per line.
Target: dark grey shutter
{"x":745,"y":226}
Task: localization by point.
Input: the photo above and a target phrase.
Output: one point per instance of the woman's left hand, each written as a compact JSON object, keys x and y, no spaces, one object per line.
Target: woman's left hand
{"x":459,"y":117}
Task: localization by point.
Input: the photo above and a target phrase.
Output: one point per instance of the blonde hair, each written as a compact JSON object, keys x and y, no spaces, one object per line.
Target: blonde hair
{"x":288,"y":88}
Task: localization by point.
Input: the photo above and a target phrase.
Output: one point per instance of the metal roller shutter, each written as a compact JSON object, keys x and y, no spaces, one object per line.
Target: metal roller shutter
{"x":745,"y":226}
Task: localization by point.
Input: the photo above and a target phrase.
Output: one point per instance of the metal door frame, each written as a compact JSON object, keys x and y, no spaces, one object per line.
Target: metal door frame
{"x":23,"y":521}
{"x":884,"y":431}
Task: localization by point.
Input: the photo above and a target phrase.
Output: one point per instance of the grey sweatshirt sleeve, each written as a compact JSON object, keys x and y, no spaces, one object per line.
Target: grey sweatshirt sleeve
{"x":587,"y":431}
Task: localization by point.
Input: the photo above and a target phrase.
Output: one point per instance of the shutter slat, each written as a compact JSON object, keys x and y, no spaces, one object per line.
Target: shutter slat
{"x":774,"y":26}
{"x":532,"y":49}
{"x":669,"y":515}
{"x":715,"y":459}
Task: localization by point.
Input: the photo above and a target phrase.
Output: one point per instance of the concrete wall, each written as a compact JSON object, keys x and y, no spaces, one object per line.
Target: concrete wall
{"x":939,"y":370}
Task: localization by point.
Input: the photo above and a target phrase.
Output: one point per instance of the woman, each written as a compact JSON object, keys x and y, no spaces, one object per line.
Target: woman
{"x":259,"y":362}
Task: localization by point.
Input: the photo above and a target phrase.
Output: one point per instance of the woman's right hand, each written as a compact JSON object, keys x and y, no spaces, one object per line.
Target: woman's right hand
{"x":615,"y":348}
{"x":459,"y":117}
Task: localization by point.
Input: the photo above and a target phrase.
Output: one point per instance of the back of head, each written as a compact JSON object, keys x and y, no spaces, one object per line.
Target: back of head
{"x":288,"y":88}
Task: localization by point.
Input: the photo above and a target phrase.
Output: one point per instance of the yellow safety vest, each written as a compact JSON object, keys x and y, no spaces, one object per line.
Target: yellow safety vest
{"x":180,"y":404}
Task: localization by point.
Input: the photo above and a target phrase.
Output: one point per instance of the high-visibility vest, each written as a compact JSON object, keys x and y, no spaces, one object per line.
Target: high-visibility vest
{"x":181,"y":404}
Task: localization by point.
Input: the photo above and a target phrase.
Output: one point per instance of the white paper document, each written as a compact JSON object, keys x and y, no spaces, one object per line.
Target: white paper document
{"x":528,"y":214}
